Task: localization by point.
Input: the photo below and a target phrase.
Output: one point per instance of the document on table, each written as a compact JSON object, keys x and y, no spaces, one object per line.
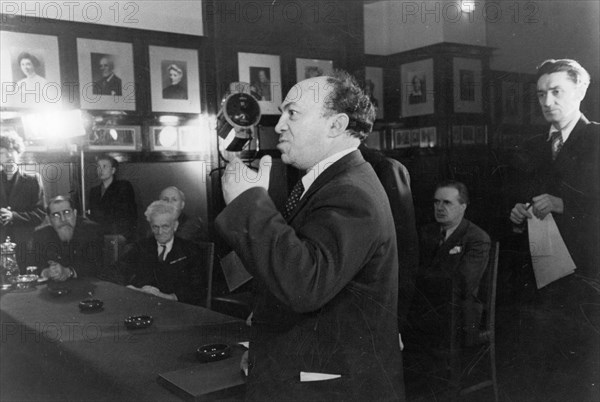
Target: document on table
{"x":549,"y":255}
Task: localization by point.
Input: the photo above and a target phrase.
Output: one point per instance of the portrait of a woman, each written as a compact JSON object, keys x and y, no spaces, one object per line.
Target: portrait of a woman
{"x":30,"y":66}
{"x":177,"y":88}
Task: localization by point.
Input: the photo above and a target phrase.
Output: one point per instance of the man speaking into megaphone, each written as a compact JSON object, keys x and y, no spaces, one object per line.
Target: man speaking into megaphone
{"x":326,"y":266}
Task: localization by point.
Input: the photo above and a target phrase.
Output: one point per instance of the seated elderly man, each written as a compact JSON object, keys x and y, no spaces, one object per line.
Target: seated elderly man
{"x":70,"y":247}
{"x":454,"y":255}
{"x":164,"y":265}
{"x":190,"y":228}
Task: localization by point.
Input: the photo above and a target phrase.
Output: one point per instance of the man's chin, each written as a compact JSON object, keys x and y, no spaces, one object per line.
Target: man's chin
{"x":65,"y":233}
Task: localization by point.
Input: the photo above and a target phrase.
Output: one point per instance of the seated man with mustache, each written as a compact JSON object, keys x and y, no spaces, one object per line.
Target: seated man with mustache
{"x":69,"y":247}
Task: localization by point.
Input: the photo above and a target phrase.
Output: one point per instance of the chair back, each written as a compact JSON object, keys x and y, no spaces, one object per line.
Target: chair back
{"x":206,"y":253}
{"x":487,"y":291}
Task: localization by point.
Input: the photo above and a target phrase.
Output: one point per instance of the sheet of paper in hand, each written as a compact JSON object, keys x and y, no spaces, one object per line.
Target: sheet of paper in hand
{"x":549,"y":255}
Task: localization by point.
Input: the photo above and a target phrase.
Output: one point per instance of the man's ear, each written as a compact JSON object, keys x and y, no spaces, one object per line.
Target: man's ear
{"x":176,"y":225}
{"x":581,"y":91}
{"x":339,"y":124}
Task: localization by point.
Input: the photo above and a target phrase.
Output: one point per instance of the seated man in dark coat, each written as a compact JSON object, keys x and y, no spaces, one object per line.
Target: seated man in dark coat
{"x":454,"y":256}
{"x":69,"y":247}
{"x":112,"y":203}
{"x":164,"y":265}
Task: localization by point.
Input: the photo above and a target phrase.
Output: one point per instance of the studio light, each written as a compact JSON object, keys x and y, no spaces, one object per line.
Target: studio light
{"x":239,"y":112}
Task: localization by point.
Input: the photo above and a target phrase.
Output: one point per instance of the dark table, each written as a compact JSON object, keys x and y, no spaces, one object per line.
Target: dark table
{"x":50,"y":350}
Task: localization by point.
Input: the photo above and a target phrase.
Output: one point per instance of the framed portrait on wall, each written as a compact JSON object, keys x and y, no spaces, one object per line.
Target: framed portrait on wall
{"x":467,"y":85}
{"x":374,"y":88}
{"x":263,"y":72}
{"x":308,"y":68}
{"x":30,"y":70}
{"x":174,"y":80}
{"x":417,"y":88}
{"x":106,"y":75}
{"x":401,"y":138}
{"x":428,"y":137}
{"x":115,"y":138}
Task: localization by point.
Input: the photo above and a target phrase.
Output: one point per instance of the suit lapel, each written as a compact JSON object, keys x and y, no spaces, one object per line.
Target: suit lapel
{"x":574,"y":137}
{"x":352,"y":159}
{"x":13,"y":190}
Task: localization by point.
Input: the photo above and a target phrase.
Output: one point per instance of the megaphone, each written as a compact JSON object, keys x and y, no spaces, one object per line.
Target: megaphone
{"x":239,"y":111}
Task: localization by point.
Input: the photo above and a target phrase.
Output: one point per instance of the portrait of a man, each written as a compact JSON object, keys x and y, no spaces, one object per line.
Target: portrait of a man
{"x":417,"y":89}
{"x":260,"y":83}
{"x":106,"y":82}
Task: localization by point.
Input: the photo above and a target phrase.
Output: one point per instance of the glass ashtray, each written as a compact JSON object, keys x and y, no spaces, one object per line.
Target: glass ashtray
{"x":26,"y":281}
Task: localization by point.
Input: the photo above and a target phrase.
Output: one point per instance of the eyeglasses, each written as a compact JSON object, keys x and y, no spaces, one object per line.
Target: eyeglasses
{"x":64,"y":214}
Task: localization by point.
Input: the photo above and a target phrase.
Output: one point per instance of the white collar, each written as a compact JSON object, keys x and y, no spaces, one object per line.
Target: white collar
{"x":169,"y":245}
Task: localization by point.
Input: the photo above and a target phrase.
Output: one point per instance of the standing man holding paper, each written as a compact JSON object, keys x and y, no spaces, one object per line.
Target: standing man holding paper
{"x":563,"y":165}
{"x":325,"y":319}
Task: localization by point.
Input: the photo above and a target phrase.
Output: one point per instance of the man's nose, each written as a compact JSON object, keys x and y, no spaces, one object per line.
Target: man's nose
{"x":281,"y":125}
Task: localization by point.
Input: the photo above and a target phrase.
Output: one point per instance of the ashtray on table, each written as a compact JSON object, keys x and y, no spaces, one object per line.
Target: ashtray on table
{"x":26,"y":281}
{"x":91,"y":305}
{"x":138,"y":321}
{"x":213,"y":352}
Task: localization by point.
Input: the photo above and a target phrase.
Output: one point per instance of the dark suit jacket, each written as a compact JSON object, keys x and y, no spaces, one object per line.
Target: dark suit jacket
{"x":327,"y":287}
{"x":396,"y":182}
{"x":83,"y":253}
{"x":112,"y":87}
{"x":455,"y":266}
{"x":575,"y":177}
{"x":180,"y":273}
{"x":116,"y":211}
{"x":26,"y":200}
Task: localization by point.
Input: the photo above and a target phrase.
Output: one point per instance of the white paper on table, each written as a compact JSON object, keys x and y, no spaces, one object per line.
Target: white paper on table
{"x":549,"y":254}
{"x":307,"y":376}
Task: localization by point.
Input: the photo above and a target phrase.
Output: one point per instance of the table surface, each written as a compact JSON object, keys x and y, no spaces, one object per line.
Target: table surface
{"x":50,"y":350}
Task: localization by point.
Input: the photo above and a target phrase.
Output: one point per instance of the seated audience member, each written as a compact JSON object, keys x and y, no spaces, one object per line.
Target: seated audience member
{"x":190,"y":228}
{"x":164,"y":265}
{"x":454,"y":256}
{"x":21,"y":195}
{"x":112,"y":203}
{"x":70,"y":246}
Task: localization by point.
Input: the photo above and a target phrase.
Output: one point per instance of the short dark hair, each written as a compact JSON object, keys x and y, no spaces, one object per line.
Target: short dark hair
{"x":26,"y":55}
{"x":348,"y":97}
{"x":57,"y":199}
{"x":10,"y":140}
{"x":463,"y":191}
{"x":574,"y":70}
{"x":104,"y":157}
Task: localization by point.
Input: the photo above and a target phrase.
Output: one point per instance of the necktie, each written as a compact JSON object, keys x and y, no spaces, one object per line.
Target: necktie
{"x":161,"y":256}
{"x":293,"y":199}
{"x":557,"y":143}
{"x":442,"y":237}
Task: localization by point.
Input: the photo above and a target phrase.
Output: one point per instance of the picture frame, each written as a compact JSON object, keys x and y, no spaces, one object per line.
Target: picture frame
{"x":374,"y":140}
{"x":467,"y":85}
{"x":307,"y":68}
{"x":468,"y":135}
{"x":164,"y":138}
{"x":115,"y":138}
{"x":374,"y":88}
{"x":417,"y":88}
{"x":106,"y":75}
{"x":511,"y":102}
{"x":415,"y":137}
{"x":428,"y":137}
{"x":263,"y":72}
{"x":174,"y":80}
{"x":402,"y":138}
{"x":29,"y":70}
